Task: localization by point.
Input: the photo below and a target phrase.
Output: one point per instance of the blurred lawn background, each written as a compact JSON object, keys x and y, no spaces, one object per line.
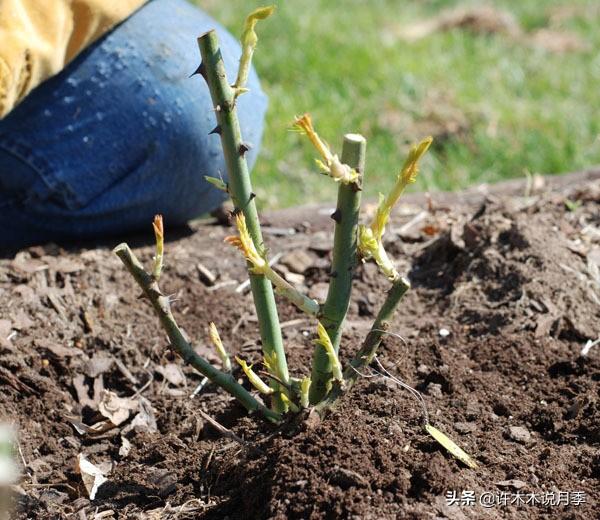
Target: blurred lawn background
{"x":514,"y":92}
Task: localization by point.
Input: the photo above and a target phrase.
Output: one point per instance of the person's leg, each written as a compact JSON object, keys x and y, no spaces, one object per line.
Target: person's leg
{"x":121,"y":134}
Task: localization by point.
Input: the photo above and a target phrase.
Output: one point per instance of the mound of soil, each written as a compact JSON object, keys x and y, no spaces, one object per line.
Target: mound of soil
{"x":506,"y":294}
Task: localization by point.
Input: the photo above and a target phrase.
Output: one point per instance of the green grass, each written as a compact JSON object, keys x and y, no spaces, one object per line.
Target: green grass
{"x":517,"y":107}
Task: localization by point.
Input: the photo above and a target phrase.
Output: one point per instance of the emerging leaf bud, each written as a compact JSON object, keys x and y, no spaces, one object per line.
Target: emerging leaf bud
{"x":330,"y":163}
{"x":246,"y":245}
{"x":159,"y":236}
{"x":325,"y":342}
{"x":249,"y":40}
{"x":218,"y":344}
{"x":256,"y":381}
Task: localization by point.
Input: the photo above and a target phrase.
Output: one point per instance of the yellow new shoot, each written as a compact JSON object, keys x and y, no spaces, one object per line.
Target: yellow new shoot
{"x":370,"y":243}
{"x":217,"y":183}
{"x":260,"y":266}
{"x":159,"y":235}
{"x":407,"y":176}
{"x":304,"y":388}
{"x":270,"y":362}
{"x":291,"y":405}
{"x":330,"y":162}
{"x":451,"y":446}
{"x":216,"y":341}
{"x":370,"y":247}
{"x":256,"y":381}
{"x":325,"y":342}
{"x":249,"y":40}
{"x":246,"y":245}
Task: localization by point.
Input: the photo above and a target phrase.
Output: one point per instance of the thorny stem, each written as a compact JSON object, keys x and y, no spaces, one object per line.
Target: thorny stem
{"x":162,"y":308}
{"x":369,"y":348}
{"x":240,"y":189}
{"x":343,"y":264}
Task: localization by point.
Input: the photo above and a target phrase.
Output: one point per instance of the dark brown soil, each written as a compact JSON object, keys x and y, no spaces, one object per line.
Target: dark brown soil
{"x":514,"y":280}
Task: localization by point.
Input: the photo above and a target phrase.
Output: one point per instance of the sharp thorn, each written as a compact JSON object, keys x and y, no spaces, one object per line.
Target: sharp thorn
{"x":200,"y":70}
{"x":333,"y":274}
{"x":215,"y":130}
{"x":244,"y":147}
{"x":252,"y":196}
{"x":337,"y":215}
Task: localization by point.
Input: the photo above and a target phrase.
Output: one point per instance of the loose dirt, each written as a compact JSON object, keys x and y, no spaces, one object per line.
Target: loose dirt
{"x":506,"y":293}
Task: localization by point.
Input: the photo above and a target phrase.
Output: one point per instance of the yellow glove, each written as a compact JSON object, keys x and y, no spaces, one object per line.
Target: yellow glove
{"x":39,"y":37}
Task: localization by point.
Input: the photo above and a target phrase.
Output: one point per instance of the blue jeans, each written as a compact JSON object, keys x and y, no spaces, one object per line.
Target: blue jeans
{"x":121,"y":134}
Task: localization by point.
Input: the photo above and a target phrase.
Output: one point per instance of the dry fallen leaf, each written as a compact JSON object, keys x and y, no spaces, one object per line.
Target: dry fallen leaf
{"x":57,"y":349}
{"x":144,"y":421}
{"x":83,"y":429}
{"x":97,"y":365}
{"x":477,"y":19}
{"x":82,"y":391}
{"x":21,"y":321}
{"x":451,"y":446}
{"x":116,"y":409}
{"x":92,"y":476}
{"x":558,"y":42}
{"x":125,"y":447}
{"x":172,"y":373}
{"x":5,"y":331}
{"x":63,"y":264}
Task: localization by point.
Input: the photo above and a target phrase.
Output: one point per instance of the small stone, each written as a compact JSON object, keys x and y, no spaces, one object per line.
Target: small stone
{"x":347,"y":478}
{"x":312,"y":419}
{"x":206,"y":275}
{"x":98,"y":364}
{"x":365,"y":308}
{"x":464,"y":427}
{"x":513,"y":483}
{"x":519,"y":434}
{"x":163,"y":480}
{"x":423,"y":370}
{"x":319,"y":291}
{"x":297,"y":261}
{"x":223,"y":213}
{"x":394,"y":428}
{"x":297,"y":280}
{"x":52,"y":496}
{"x":434,"y":390}
{"x":472,"y":411}
{"x":321,"y":242}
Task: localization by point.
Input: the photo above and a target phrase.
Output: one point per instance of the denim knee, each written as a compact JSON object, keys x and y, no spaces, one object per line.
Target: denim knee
{"x":123,"y":132}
